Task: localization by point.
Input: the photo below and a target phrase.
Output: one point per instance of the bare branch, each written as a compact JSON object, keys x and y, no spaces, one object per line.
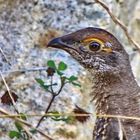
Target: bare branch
{"x":118,"y":22}
{"x":54,"y":95}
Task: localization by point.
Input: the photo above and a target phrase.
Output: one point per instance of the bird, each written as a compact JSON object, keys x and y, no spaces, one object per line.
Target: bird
{"x":114,"y":88}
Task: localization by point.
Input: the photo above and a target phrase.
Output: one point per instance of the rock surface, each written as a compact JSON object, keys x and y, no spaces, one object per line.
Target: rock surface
{"x":26,"y":27}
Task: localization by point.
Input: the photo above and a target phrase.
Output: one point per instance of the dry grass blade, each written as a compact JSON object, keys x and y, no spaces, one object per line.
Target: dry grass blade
{"x":8,"y":90}
{"x":27,"y":131}
{"x":72,"y":114}
{"x":24,"y":122}
{"x":117,"y":21}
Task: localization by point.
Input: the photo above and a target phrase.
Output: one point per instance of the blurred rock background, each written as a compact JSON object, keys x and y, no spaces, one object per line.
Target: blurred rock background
{"x":26,"y":27}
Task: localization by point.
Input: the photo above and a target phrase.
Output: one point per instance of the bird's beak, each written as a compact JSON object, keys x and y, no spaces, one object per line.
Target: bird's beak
{"x":54,"y":43}
{"x":57,"y":43}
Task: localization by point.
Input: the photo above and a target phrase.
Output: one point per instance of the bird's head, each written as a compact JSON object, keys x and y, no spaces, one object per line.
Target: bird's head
{"x":93,"y":48}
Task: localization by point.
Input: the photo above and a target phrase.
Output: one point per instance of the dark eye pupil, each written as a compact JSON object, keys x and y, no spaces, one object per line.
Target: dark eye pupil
{"x":94,"y":46}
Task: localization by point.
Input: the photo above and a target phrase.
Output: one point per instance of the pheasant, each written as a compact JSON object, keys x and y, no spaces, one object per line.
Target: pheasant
{"x":114,"y":89}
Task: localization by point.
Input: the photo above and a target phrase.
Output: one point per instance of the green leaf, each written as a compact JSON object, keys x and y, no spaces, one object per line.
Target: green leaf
{"x":55,"y":114}
{"x":41,"y":83}
{"x":59,"y":73}
{"x":18,"y":126}
{"x":76,"y":84}
{"x":14,"y":134}
{"x":59,"y":119}
{"x":72,"y":78}
{"x":62,"y":66}
{"x":23,"y":116}
{"x":69,"y":120}
{"x":51,"y":64}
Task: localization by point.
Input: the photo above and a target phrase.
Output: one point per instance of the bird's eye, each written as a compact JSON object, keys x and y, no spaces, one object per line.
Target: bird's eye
{"x":94,"y":46}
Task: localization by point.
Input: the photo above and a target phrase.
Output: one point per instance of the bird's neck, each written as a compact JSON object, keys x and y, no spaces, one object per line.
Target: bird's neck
{"x":115,"y":95}
{"x":112,"y":93}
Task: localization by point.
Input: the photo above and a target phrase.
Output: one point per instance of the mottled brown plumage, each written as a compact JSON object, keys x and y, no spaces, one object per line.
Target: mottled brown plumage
{"x":115,"y":90}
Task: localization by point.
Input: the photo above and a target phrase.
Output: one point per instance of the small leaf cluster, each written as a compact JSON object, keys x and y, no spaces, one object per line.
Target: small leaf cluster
{"x":59,"y":70}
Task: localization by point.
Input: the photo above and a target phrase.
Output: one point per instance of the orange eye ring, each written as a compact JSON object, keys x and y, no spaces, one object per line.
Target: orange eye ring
{"x":87,"y":40}
{"x":94,"y":44}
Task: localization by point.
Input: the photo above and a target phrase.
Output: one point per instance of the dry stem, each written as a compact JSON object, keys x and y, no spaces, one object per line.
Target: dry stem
{"x":118,"y":22}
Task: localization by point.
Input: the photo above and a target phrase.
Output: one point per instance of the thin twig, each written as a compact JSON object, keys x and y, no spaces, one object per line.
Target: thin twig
{"x":50,"y":103}
{"x":25,"y":70}
{"x":47,"y":109}
{"x":54,"y":95}
{"x":60,"y":89}
{"x":9,"y":92}
{"x":117,"y":21}
{"x":24,"y":122}
{"x":52,"y":91}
